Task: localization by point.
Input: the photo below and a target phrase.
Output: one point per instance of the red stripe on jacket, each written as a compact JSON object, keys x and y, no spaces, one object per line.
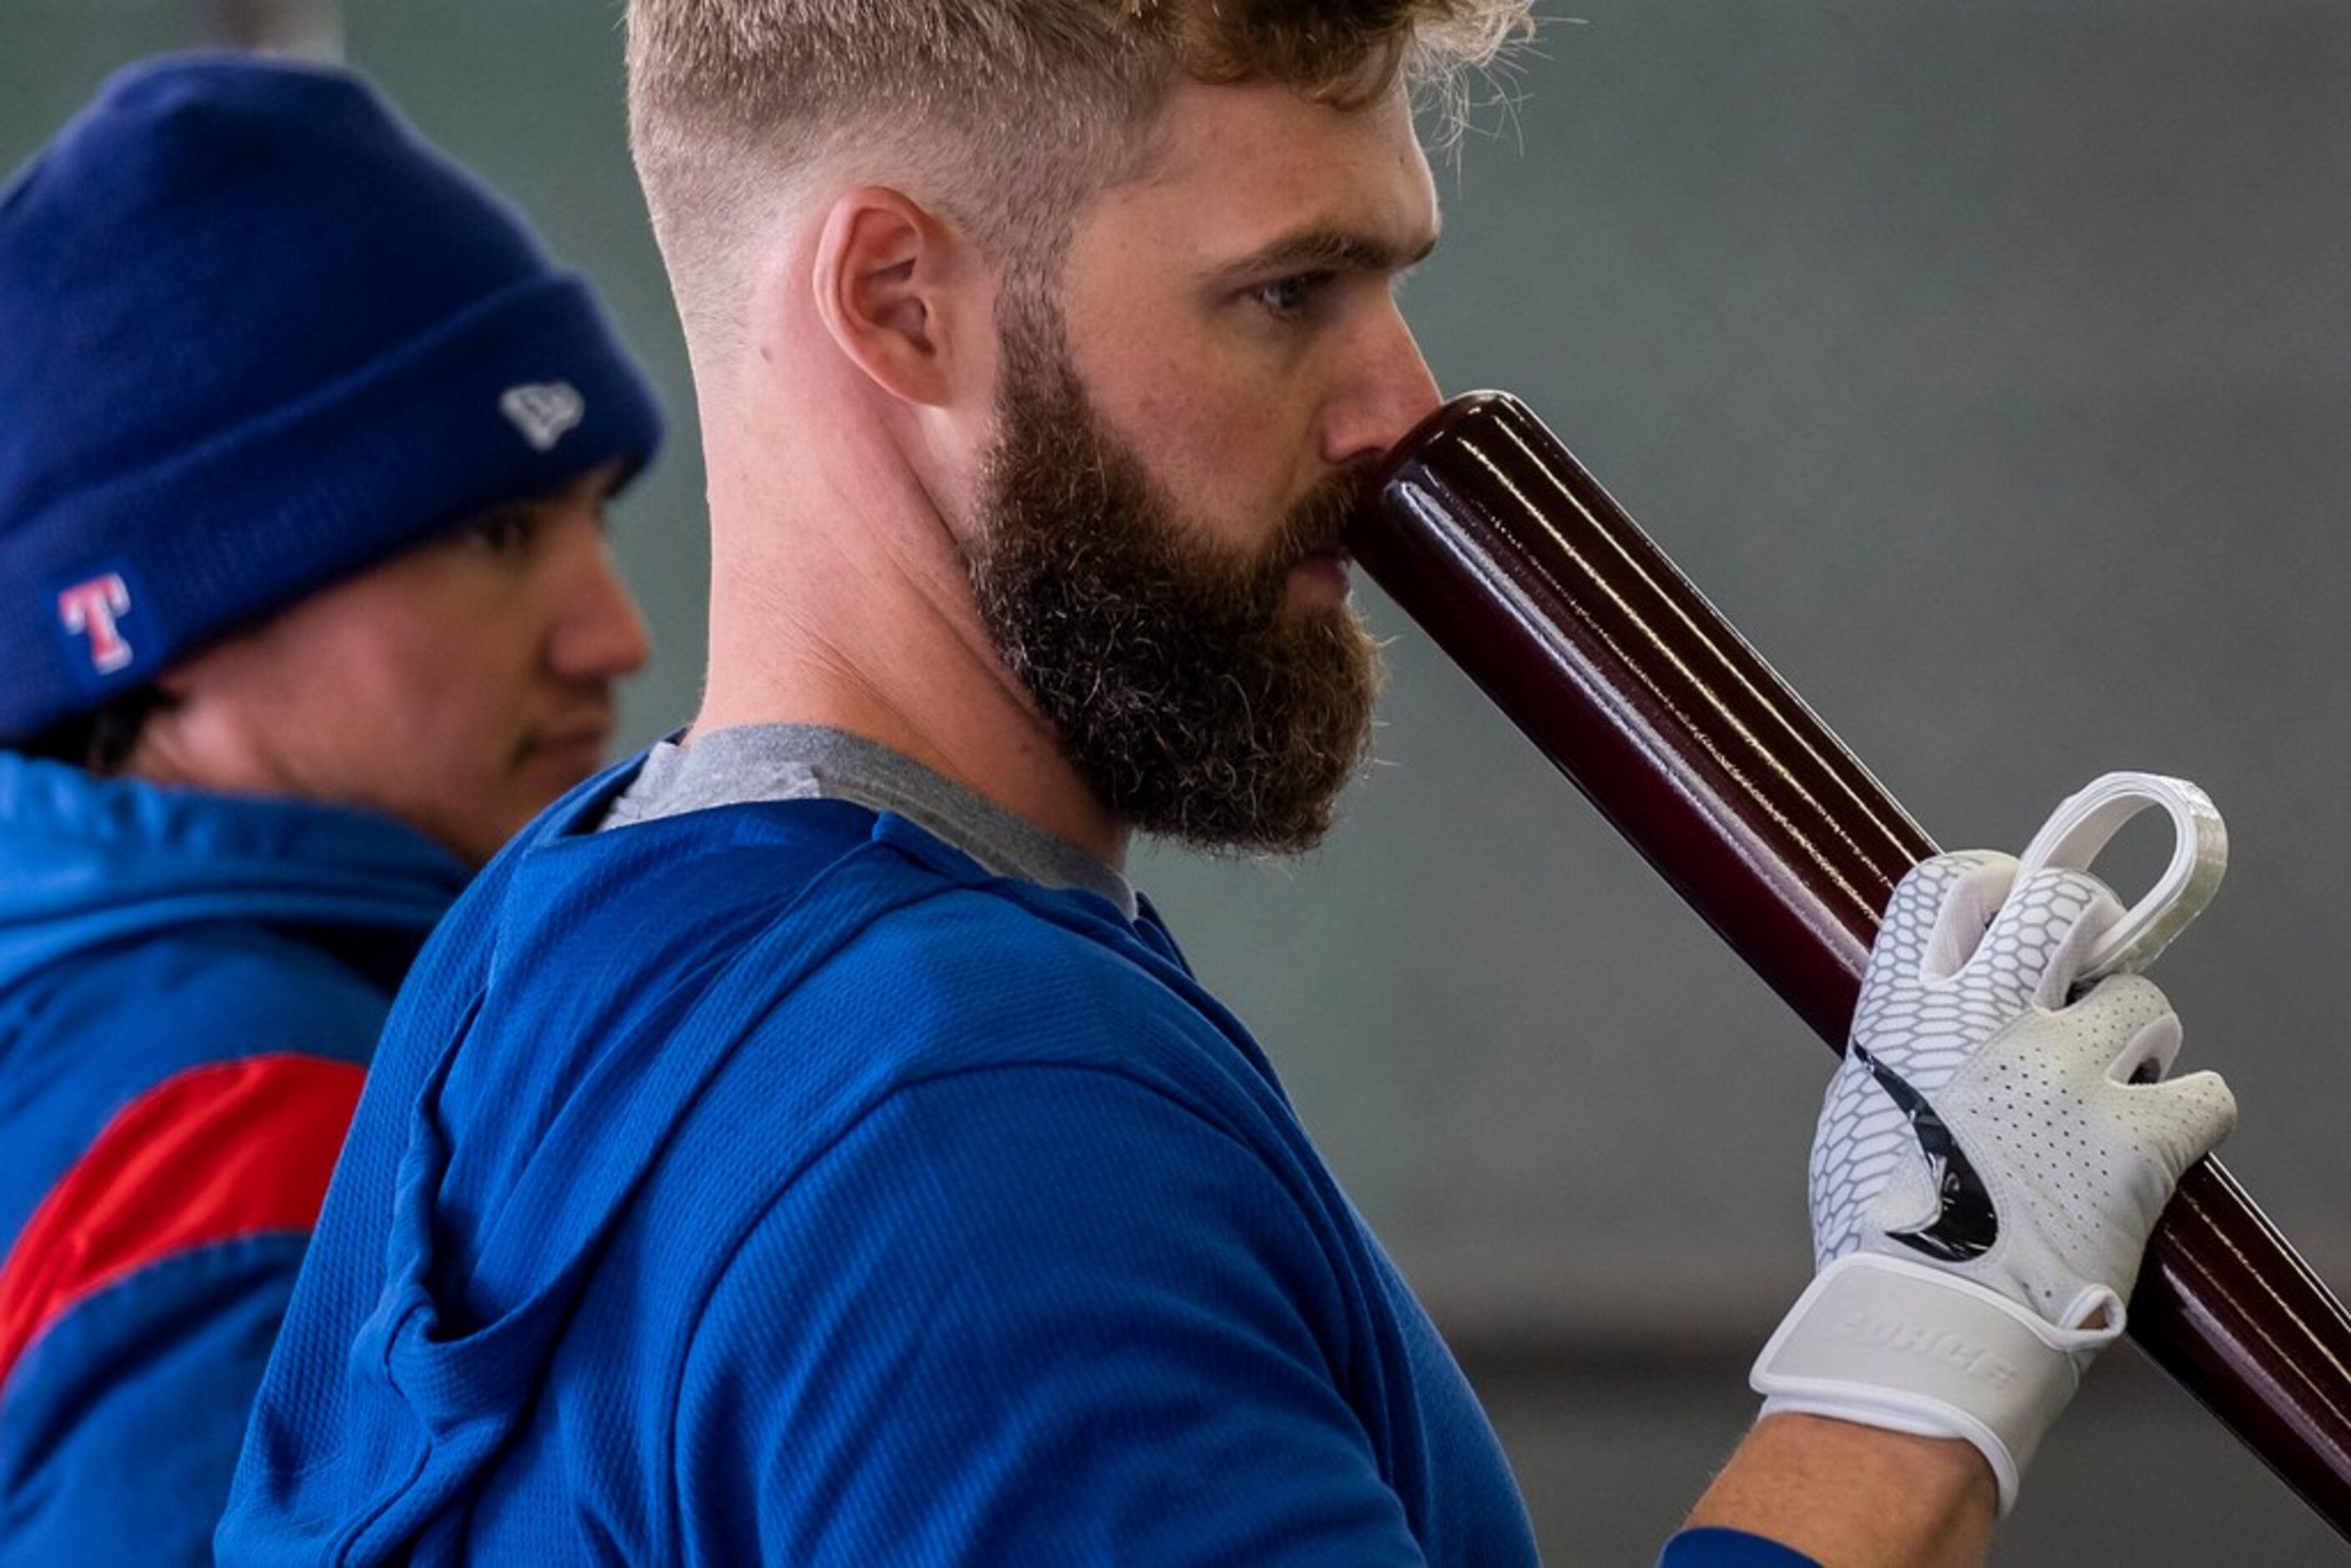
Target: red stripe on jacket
{"x":217,"y":1152}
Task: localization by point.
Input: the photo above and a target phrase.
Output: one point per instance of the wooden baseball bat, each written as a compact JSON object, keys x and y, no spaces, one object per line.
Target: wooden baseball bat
{"x":1490,"y":535}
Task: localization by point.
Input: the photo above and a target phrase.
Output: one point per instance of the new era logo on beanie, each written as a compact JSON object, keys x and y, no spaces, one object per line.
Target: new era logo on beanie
{"x":543,"y":411}
{"x":254,"y":328}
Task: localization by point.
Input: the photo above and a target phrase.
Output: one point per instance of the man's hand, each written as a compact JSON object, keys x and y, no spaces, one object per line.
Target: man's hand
{"x":1991,"y":1158}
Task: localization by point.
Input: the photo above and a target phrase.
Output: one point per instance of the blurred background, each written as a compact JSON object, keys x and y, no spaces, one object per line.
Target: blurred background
{"x":1980,"y":362}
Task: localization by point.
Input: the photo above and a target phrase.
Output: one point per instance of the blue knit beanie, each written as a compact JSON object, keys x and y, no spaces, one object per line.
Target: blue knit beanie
{"x":256,"y":336}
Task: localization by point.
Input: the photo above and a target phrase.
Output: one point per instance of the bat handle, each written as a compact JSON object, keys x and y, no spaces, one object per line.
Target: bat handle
{"x":1490,"y":534}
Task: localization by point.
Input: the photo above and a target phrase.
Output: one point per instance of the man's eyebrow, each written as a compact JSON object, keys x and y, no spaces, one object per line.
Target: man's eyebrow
{"x":1344,"y":249}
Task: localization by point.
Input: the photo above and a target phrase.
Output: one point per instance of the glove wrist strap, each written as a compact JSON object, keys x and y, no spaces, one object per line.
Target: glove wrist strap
{"x":1891,"y":1343}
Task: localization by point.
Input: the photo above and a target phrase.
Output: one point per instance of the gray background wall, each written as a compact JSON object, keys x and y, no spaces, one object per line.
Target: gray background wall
{"x":1982,"y":362}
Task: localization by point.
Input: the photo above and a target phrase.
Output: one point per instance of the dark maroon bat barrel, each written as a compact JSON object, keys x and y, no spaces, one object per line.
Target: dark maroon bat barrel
{"x":1490,"y":535}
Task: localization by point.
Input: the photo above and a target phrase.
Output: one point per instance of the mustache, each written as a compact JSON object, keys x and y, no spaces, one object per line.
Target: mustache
{"x":1317,"y":523}
{"x":1254,"y":584}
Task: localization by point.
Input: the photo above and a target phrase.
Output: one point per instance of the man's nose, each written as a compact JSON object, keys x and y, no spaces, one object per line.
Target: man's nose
{"x":1391,"y":390}
{"x":599,"y":634}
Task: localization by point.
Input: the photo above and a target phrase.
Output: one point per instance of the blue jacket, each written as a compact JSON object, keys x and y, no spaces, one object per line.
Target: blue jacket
{"x":189,"y":986}
{"x":770,"y":1184}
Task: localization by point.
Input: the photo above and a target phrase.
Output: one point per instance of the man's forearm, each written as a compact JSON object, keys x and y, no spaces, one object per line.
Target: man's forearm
{"x":1854,"y":1496}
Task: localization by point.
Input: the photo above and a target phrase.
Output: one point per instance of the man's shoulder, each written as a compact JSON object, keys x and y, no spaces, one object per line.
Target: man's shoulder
{"x":991,"y":960}
{"x":109,"y":1030}
{"x":565,"y":897}
{"x":808,"y":933}
{"x":756,"y":851}
{"x":793,"y":889}
{"x":801,"y":954}
{"x":835,"y":974}
{"x":227,"y":988}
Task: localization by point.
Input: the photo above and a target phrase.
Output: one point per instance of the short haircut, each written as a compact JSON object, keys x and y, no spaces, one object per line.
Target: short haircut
{"x":1007,"y":115}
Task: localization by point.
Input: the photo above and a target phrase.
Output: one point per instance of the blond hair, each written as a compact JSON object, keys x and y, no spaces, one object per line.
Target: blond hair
{"x":1007,"y":115}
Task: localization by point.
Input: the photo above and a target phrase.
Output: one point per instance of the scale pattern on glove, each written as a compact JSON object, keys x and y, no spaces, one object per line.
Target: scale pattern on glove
{"x":1925,"y":1027}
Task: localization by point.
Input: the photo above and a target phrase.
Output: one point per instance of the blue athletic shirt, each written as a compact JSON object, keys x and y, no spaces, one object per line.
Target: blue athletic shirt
{"x":774,"y":1183}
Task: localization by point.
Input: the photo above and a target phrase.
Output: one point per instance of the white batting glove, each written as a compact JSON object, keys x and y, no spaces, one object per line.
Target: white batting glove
{"x":1991,"y":1158}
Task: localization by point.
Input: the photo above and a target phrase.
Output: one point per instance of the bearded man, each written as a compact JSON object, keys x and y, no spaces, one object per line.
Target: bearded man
{"x":805,"y":1147}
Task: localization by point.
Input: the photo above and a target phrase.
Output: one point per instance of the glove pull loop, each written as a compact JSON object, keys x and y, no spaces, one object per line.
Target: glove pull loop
{"x":2082,"y":827}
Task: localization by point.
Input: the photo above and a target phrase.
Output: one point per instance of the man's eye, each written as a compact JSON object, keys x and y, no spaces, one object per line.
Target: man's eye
{"x":502,"y":533}
{"x":1289,"y":298}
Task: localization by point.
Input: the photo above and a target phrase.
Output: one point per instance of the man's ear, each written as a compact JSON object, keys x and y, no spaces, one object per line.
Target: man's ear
{"x":899,"y":288}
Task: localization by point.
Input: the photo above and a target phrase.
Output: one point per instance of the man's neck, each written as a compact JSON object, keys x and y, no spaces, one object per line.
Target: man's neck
{"x":863,"y":621}
{"x":1006,"y":769}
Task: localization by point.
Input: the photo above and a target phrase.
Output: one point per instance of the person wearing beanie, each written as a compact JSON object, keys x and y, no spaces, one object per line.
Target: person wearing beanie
{"x":305,"y":443}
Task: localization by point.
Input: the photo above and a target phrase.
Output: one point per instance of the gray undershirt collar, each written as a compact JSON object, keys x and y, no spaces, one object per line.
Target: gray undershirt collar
{"x":809,"y":762}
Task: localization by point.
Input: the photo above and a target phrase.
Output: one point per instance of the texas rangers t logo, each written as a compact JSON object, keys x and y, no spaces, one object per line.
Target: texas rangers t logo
{"x":95,"y":610}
